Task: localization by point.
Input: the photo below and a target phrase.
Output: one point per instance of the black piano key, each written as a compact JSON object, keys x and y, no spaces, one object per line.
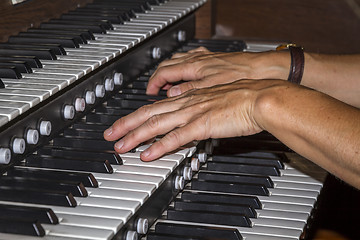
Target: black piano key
{"x":83,"y":143}
{"x":229,"y":187}
{"x":116,"y":17}
{"x":139,"y":84}
{"x":77,"y":189}
{"x":9,"y":72}
{"x":125,"y":13}
{"x":41,"y":53}
{"x":141,"y":91}
{"x":243,"y":168}
{"x":235,"y":178}
{"x":2,"y":85}
{"x":127,"y":103}
{"x":71,"y":132}
{"x":64,"y":41}
{"x":209,"y":217}
{"x":32,"y":61}
{"x":90,"y":24}
{"x":77,"y":16}
{"x":55,"y":198}
{"x":252,"y":201}
{"x":185,"y":230}
{"x":138,"y":97}
{"x":248,"y":160}
{"x":92,"y":28}
{"x":215,"y":207}
{"x":21,"y":66}
{"x":43,"y":215}
{"x":138,"y":8}
{"x":117,"y":111}
{"x":91,"y":126}
{"x":160,"y":236}
{"x":87,"y":179}
{"x":75,"y":38}
{"x":55,"y":48}
{"x":100,"y":166}
{"x":102,"y":118}
{"x":112,"y":157}
{"x":24,"y":227}
{"x":84,"y":34}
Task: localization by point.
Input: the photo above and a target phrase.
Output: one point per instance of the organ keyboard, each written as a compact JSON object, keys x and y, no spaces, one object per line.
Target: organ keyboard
{"x":68,"y":80}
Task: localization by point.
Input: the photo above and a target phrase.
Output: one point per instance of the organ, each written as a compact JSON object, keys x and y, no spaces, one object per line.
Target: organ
{"x":68,"y":76}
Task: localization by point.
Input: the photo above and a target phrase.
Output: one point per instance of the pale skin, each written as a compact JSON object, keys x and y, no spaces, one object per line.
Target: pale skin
{"x":316,"y":125}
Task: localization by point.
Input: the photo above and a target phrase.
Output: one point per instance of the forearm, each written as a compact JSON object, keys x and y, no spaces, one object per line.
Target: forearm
{"x":316,"y":126}
{"x":335,"y":75}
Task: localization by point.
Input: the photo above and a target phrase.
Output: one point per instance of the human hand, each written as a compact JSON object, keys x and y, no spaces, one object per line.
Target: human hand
{"x":216,"y":112}
{"x":201,"y":68}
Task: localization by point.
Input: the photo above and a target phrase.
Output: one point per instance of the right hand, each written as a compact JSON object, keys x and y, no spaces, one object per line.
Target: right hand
{"x":201,"y":68}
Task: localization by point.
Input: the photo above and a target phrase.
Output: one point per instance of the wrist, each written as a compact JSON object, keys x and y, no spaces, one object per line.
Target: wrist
{"x":272,"y":65}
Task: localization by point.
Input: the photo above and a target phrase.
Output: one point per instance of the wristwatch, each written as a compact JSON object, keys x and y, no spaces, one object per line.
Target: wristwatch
{"x":297,"y":61}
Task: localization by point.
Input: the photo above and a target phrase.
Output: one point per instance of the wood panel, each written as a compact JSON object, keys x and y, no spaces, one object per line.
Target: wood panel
{"x":205,"y":20}
{"x":16,"y":18}
{"x":330,"y":26}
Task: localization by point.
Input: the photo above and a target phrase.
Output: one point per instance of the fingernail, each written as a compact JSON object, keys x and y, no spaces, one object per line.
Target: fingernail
{"x":175,"y":91}
{"x":145,"y":153}
{"x":108,"y":131}
{"x":119,"y":144}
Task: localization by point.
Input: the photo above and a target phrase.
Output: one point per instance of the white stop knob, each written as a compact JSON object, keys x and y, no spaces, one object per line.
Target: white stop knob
{"x":5,"y":155}
{"x":179,"y":183}
{"x":80,"y":104}
{"x":132,"y":235}
{"x":195,"y":164}
{"x":69,"y":112}
{"x":45,"y":128}
{"x":32,"y":136}
{"x":90,"y":97}
{"x":187,"y":174}
{"x":202,"y":156}
{"x":19,"y":145}
{"x":181,"y":36}
{"x":109,"y":84}
{"x":142,"y":226}
{"x":156,"y":53}
{"x":118,"y":78}
{"x":100,"y":91}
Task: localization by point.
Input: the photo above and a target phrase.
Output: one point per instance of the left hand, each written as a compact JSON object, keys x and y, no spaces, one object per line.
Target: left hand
{"x":216,"y":112}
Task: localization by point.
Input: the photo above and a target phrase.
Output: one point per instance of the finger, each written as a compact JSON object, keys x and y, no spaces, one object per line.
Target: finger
{"x":174,"y":140}
{"x":154,"y":126}
{"x":125,"y":124}
{"x":171,"y":74}
{"x":199,"y":49}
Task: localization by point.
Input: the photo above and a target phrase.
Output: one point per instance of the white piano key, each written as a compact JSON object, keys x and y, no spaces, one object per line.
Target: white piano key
{"x":296,"y":179}
{"x":93,"y":65}
{"x":69,"y":72}
{"x":103,"y":202}
{"x":59,"y":83}
{"x":132,"y":40}
{"x":170,"y":157}
{"x":77,"y":231}
{"x":3,"y":120}
{"x":287,"y":200}
{"x":160,"y":172}
{"x":293,"y":172}
{"x":21,"y":106}
{"x":88,"y":52}
{"x":298,"y":186}
{"x":121,"y":35}
{"x":55,"y":66}
{"x":111,"y":43}
{"x":285,"y":215}
{"x":56,"y":77}
{"x":148,"y":22}
{"x":8,"y":236}
{"x":263,"y":237}
{"x":139,"y":35}
{"x":286,"y":207}
{"x":280,"y":223}
{"x":171,"y":165}
{"x":118,"y":194}
{"x":132,"y":27}
{"x":10,"y":113}
{"x":93,"y":222}
{"x":31,"y":100}
{"x":123,"y":176}
{"x":52,"y":89}
{"x":42,"y":95}
{"x":293,"y":193}
{"x":126,"y":185}
{"x":99,"y":59}
{"x":110,"y":50}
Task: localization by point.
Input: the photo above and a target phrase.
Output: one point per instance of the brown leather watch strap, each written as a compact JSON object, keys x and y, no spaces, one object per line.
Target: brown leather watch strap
{"x":297,"y":64}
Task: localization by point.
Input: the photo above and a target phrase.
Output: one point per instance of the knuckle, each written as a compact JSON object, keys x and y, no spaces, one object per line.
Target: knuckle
{"x":174,"y":137}
{"x":145,"y":111}
{"x":153,"y":122}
